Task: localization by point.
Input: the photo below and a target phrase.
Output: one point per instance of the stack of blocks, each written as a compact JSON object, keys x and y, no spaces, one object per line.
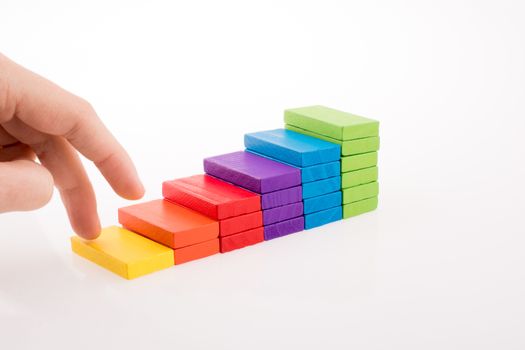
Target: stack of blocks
{"x":278,"y":184}
{"x":321,"y":168}
{"x":359,"y":140}
{"x":190,"y":234}
{"x":318,"y":162}
{"x":238,"y":211}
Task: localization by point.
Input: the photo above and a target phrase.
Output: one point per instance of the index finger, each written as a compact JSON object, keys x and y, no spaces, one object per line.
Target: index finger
{"x":50,"y":109}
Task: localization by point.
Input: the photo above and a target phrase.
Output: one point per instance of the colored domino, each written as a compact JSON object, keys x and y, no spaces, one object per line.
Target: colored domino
{"x":283,"y":228}
{"x":318,"y":188}
{"x":281,"y":197}
{"x":357,"y":193}
{"x":332,"y":123}
{"x":283,"y":213}
{"x":169,"y":224}
{"x":196,"y":251}
{"x":210,"y":196}
{"x":326,"y":201}
{"x":349,"y":147}
{"x":292,"y":147}
{"x":359,"y":207}
{"x":359,"y":177}
{"x":242,"y":239}
{"x":124,"y":252}
{"x":358,"y":161}
{"x":240,"y":223}
{"x":323,"y":217}
{"x":252,"y":172}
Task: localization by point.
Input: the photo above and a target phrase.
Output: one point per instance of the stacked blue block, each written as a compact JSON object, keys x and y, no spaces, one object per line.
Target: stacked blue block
{"x":319,"y":162}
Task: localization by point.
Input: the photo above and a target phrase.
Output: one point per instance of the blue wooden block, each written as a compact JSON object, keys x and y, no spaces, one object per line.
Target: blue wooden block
{"x":311,"y":173}
{"x":318,"y":188}
{"x":292,"y":147}
{"x":326,"y":201}
{"x":320,"y":171}
{"x":323,"y":217}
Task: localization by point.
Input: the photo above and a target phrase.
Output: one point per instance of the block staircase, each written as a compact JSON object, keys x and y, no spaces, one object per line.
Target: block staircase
{"x":321,"y":168}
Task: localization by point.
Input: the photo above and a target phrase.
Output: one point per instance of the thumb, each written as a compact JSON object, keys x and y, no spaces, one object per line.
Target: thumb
{"x":24,"y":185}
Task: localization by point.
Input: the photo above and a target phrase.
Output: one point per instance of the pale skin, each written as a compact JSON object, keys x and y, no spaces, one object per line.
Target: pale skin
{"x":43,"y":128}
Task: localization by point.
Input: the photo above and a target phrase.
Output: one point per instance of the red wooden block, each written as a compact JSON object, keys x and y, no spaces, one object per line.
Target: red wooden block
{"x":242,"y":239}
{"x":210,"y":196}
{"x":196,"y":251}
{"x":168,"y":223}
{"x":240,"y":223}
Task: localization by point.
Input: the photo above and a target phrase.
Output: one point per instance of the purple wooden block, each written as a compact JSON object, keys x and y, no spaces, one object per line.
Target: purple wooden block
{"x":282,"y":197}
{"x":253,"y":172}
{"x":283,"y":228}
{"x":271,"y":216}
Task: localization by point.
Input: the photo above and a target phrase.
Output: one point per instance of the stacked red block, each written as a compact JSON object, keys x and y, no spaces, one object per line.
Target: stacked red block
{"x":238,"y":211}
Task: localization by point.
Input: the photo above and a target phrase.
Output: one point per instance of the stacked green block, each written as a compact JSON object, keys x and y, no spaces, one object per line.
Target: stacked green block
{"x":359,"y":140}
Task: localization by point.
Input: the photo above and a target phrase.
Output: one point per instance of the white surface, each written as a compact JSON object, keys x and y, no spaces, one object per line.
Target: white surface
{"x":440,"y":265}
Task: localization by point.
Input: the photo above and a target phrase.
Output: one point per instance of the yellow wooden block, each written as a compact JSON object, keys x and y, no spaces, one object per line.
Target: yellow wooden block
{"x":123,"y":252}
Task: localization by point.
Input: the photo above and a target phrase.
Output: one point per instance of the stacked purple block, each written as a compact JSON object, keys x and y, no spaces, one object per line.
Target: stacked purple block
{"x":278,"y":184}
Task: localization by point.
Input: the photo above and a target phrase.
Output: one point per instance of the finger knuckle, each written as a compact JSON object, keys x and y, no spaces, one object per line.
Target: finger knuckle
{"x":85,"y":109}
{"x":81,"y":113}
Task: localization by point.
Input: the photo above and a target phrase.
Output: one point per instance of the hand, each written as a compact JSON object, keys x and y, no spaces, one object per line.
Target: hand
{"x":40,"y":120}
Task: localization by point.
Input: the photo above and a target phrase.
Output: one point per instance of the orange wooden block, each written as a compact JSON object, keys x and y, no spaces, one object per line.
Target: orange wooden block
{"x":196,"y":251}
{"x":240,"y":223}
{"x":168,"y":223}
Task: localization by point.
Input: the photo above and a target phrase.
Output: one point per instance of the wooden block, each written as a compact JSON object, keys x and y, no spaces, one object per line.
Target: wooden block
{"x":240,"y":223}
{"x":168,"y":223}
{"x":281,"y":197}
{"x":359,"y":161}
{"x":318,"y":188}
{"x":350,"y":147}
{"x":357,"y":193}
{"x":326,"y":201}
{"x":358,"y":177}
{"x":123,"y":252}
{"x":331,"y":122}
{"x":314,"y":172}
{"x":252,"y":172}
{"x":292,"y":147}
{"x":320,"y":171}
{"x":286,"y":212}
{"x":360,"y":207}
{"x":242,"y":239}
{"x":196,"y":251}
{"x":283,"y":228}
{"x":210,"y":196}
{"x":323,"y":217}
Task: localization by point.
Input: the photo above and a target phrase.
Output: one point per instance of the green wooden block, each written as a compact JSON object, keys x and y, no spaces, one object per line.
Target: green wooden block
{"x":358,"y":161}
{"x":331,"y":122}
{"x":357,"y":146}
{"x":360,"y":207}
{"x":357,"y":193}
{"x":358,"y":177}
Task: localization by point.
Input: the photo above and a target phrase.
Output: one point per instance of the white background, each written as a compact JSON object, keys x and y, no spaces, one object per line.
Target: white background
{"x":440,"y":265}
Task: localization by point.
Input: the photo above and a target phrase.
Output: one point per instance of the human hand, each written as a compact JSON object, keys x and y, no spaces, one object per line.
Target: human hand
{"x":40,"y":120}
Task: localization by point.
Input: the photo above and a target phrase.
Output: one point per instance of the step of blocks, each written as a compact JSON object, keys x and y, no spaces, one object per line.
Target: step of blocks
{"x":292,"y":147}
